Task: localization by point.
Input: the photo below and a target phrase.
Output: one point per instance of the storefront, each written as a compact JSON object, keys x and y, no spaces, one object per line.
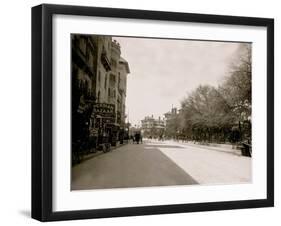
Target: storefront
{"x":103,"y":117}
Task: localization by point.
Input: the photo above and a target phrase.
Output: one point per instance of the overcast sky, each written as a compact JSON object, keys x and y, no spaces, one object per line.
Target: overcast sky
{"x":163,"y":72}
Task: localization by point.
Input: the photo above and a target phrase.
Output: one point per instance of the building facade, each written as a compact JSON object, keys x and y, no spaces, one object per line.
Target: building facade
{"x":123,"y":71}
{"x":171,"y":123}
{"x":99,"y":82}
{"x":153,"y":127}
{"x":83,"y":55}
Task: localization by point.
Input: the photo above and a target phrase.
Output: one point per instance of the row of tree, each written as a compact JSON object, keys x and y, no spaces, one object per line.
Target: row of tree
{"x":218,"y":114}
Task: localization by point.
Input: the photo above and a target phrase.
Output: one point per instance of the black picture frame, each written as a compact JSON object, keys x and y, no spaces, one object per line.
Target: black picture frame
{"x":42,"y":84}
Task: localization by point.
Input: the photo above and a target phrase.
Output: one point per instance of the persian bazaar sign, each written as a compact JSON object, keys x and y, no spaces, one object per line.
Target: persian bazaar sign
{"x":104,"y":110}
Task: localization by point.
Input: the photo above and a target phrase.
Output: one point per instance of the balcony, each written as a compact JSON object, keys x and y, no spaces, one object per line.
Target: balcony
{"x":105,"y":61}
{"x":80,"y":59}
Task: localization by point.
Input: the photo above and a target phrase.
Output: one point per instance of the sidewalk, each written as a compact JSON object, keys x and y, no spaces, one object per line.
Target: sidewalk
{"x":99,"y":152}
{"x":211,"y":146}
{"x":211,"y":166}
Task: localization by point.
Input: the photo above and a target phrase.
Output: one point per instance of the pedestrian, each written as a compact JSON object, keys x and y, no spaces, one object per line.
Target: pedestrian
{"x":137,"y":137}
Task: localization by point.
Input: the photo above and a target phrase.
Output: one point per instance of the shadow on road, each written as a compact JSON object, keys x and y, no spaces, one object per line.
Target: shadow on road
{"x":162,"y":146}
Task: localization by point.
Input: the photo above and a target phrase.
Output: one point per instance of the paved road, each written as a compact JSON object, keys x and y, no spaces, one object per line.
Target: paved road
{"x":157,"y":163}
{"x":131,"y":165}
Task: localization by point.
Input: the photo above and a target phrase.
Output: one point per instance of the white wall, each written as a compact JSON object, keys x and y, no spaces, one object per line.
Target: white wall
{"x":15,"y":93}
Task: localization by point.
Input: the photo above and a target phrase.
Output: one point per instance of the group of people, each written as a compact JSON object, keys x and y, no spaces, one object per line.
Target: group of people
{"x":136,"y":138}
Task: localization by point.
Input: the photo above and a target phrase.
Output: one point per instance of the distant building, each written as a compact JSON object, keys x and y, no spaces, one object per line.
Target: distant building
{"x":171,"y":114}
{"x":152,"y":127}
{"x":171,"y":123}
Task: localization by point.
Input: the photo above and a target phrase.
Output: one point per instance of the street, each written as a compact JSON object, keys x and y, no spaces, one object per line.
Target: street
{"x":164,"y":163}
{"x":115,"y":96}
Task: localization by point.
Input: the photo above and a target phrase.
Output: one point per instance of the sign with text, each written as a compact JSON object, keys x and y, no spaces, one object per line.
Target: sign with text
{"x":104,"y":110}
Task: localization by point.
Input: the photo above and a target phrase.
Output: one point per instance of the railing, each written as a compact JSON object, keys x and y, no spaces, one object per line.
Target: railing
{"x":105,"y":61}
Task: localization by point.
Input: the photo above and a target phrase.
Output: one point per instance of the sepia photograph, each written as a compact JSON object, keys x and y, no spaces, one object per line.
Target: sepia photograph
{"x":149,"y":112}
{"x":141,"y":112}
